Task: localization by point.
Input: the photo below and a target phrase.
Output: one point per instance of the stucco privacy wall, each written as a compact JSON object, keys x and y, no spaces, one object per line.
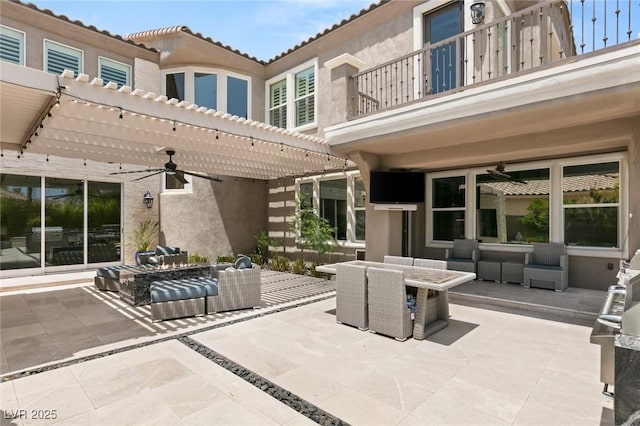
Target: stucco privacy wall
{"x":39,"y":26}
{"x":217,"y":218}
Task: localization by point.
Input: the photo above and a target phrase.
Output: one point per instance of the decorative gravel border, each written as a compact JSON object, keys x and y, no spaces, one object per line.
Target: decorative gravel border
{"x":292,"y":400}
{"x":55,"y":366}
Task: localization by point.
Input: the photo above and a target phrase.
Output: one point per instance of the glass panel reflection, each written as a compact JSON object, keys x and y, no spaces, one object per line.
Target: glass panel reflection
{"x":448,"y":225}
{"x":20,"y":222}
{"x":513,"y":209}
{"x":333,"y":205}
{"x":64,"y":221}
{"x":103,"y":216}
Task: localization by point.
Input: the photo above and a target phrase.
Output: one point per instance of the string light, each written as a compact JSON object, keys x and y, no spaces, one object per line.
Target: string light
{"x":252,"y":142}
{"x":121,"y":116}
{"x":47,"y":158}
{"x":217,"y":134}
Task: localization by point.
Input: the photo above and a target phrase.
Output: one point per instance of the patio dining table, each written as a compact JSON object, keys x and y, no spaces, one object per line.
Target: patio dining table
{"x":424,"y":279}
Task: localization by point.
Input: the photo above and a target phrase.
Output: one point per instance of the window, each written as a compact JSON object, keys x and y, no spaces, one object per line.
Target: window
{"x":340,"y":199}
{"x":448,"y":206}
{"x":591,"y":197}
{"x":11,"y":45}
{"x":359,"y":197}
{"x":210,"y":88}
{"x":174,"y":86}
{"x":305,"y":99}
{"x":333,"y":205}
{"x":513,"y":211}
{"x":109,"y":70}
{"x":58,"y":57}
{"x":171,"y":184}
{"x":206,"y":90}
{"x":296,"y":87}
{"x":278,"y":104}
{"x":237,"y":96}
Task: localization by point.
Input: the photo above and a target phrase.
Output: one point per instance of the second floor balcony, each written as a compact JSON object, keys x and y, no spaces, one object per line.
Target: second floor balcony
{"x":544,"y":35}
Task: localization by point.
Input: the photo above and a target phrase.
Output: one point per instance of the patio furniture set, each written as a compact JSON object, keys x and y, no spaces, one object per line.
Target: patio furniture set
{"x":546,"y":266}
{"x":181,"y":290}
{"x":377,"y":296}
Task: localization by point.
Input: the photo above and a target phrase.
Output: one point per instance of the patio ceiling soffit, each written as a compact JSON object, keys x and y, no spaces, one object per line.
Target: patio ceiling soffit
{"x":93,"y":121}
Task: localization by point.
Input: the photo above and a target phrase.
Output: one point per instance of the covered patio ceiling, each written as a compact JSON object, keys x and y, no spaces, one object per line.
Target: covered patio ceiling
{"x":86,"y":119}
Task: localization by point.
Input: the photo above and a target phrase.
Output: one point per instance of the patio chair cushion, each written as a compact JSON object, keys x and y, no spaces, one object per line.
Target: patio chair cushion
{"x":243,"y":262}
{"x":546,"y":267}
{"x":164,"y":250}
{"x":166,"y":291}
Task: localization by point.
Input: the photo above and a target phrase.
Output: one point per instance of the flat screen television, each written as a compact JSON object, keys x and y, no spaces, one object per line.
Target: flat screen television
{"x":396,"y":187}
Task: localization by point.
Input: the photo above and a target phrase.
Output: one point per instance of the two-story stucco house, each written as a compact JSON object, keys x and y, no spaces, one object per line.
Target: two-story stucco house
{"x":522,"y":129}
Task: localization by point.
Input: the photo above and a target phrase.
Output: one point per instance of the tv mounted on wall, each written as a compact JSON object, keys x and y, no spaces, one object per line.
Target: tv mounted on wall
{"x":396,"y":187}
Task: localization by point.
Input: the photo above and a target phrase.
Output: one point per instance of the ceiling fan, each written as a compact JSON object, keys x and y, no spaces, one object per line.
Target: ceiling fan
{"x":499,"y":174}
{"x":170,"y":168}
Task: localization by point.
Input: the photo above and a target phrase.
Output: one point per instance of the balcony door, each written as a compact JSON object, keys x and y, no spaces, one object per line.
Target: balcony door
{"x":440,"y":25}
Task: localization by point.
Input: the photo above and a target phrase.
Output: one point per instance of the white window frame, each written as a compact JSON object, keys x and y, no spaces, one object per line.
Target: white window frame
{"x":187,"y":189}
{"x":282,"y":104}
{"x":116,"y":65}
{"x":350,"y":242}
{"x":289,"y":76}
{"x":23,"y":41}
{"x":63,"y":48}
{"x":189,"y":84}
{"x":556,"y":205}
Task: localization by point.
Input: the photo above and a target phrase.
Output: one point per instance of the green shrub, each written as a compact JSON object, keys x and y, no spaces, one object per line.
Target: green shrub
{"x":314,"y":273}
{"x":226,"y":259}
{"x":256,"y":258}
{"x":198,"y":258}
{"x":280,"y":264}
{"x":299,"y":267}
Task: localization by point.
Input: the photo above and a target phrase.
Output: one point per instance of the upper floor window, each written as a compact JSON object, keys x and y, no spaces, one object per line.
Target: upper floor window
{"x":591,"y":204}
{"x":11,"y":45}
{"x":296,"y":87}
{"x":305,"y":97}
{"x":278,"y":104}
{"x":58,"y":57}
{"x":211,"y":88}
{"x":110,"y":70}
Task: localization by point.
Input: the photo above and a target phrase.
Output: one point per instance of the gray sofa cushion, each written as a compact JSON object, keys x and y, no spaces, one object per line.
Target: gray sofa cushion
{"x":243,"y":262}
{"x":113,"y":272}
{"x":166,"y":291}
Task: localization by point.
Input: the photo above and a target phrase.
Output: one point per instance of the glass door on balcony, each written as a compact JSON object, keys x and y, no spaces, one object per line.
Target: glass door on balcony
{"x":446,"y":22}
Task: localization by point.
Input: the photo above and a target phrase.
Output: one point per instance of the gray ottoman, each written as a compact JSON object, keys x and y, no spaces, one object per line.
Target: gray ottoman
{"x":177,"y":299}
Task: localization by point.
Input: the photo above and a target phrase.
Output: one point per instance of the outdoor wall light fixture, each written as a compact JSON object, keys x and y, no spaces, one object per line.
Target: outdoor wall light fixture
{"x":148,"y":199}
{"x":477,"y":12}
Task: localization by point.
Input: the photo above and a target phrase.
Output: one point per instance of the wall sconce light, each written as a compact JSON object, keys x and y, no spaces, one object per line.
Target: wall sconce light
{"x":148,"y":199}
{"x":477,"y":12}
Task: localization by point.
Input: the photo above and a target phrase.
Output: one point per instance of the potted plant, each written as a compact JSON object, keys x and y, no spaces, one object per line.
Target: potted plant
{"x":143,"y":238}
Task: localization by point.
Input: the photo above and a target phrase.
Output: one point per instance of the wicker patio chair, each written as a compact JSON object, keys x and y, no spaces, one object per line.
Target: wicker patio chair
{"x":388,"y":311}
{"x":237,"y":289}
{"x":463,"y":256}
{"x":430,"y":263}
{"x":351,"y":296}
{"x":399,"y":260}
{"x":547,"y":266}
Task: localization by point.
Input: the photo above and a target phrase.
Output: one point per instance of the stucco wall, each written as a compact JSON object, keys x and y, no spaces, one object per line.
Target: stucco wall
{"x":218,"y":218}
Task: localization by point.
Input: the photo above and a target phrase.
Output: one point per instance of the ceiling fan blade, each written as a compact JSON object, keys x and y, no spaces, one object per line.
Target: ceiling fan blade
{"x":137,"y":171}
{"x":144,"y":177}
{"x":215,"y":179}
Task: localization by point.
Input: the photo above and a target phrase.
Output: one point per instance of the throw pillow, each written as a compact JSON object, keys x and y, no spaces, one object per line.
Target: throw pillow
{"x":152,"y":260}
{"x":163,"y":250}
{"x":243,"y":262}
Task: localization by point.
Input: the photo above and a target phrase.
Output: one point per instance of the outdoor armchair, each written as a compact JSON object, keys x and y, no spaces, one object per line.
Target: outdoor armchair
{"x":430,"y":263}
{"x":463,"y":256}
{"x":237,"y":289}
{"x":388,"y":311}
{"x":351,"y":296}
{"x":399,"y":260}
{"x":547,"y":266}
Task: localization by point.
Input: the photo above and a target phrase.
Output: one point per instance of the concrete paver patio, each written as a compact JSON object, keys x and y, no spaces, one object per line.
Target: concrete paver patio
{"x":487,"y":367}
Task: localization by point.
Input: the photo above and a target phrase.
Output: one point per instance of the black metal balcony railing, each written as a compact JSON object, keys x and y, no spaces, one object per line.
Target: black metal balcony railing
{"x":545,"y":33}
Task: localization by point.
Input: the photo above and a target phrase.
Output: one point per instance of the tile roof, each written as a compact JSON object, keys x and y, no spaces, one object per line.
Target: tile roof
{"x":569,"y":184}
{"x":178,"y":28}
{"x":81,"y":24}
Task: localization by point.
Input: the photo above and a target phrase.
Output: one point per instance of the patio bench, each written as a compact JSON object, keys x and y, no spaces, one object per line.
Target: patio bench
{"x":181,"y":298}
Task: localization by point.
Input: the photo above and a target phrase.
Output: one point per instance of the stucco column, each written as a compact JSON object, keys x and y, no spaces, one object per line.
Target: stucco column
{"x":383,"y":233}
{"x":633,"y":237}
{"x":343,"y":89}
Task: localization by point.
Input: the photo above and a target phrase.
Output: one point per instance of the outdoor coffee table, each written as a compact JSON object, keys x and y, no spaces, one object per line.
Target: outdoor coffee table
{"x":424,"y":279}
{"x":135,"y":285}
